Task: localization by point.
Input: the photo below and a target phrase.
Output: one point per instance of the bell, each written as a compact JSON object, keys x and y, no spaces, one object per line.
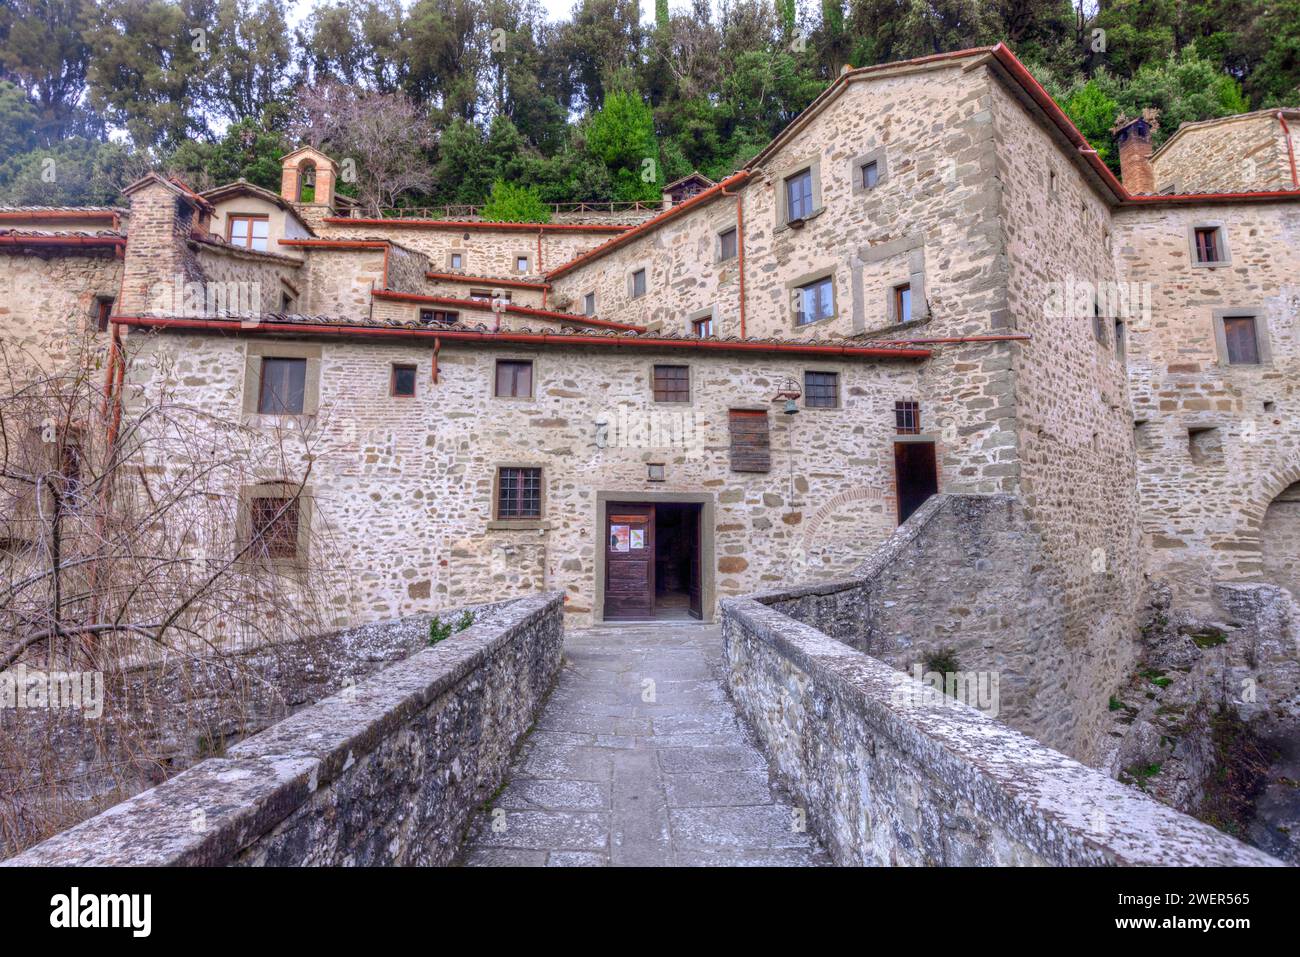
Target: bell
{"x":791,"y":407}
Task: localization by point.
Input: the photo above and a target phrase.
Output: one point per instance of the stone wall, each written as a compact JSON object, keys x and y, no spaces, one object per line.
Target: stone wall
{"x":964,"y":578}
{"x":164,"y":715}
{"x":48,"y":305}
{"x":1202,"y":502}
{"x":1243,"y":153}
{"x":1074,"y":456}
{"x":384,"y":773}
{"x":406,"y":485}
{"x":892,"y":773}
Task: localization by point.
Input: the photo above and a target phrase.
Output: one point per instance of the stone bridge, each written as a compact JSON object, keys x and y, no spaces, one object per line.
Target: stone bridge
{"x":774,"y":739}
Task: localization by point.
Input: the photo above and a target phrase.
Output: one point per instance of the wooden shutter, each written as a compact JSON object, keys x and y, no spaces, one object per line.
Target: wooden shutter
{"x":751,"y":446}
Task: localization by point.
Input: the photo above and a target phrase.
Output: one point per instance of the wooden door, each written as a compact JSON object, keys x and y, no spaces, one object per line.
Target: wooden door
{"x":629,"y":562}
{"x":915,"y":474}
{"x":694,"y":532}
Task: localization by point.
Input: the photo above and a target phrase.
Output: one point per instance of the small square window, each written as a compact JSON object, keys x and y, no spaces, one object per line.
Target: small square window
{"x":1241,"y":337}
{"x":589,"y":304}
{"x":519,"y":493}
{"x":456,"y":261}
{"x":815,"y":301}
{"x":655,"y":472}
{"x":1208,"y":245}
{"x":438,"y":316}
{"x":514,"y":379}
{"x":672,"y":384}
{"x":727,"y":244}
{"x":274,"y":524}
{"x":703,"y":327}
{"x":250,"y":232}
{"x":799,"y":196}
{"x":638,"y":283}
{"x":821,"y":390}
{"x":521,"y":264}
{"x":902,"y":303}
{"x":403,"y":382}
{"x":283,"y":386}
{"x":869,"y":174}
{"x":907,"y":418}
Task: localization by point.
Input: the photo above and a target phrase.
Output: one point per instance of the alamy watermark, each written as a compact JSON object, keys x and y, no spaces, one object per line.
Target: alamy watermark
{"x":1079,"y":298}
{"x":977,"y":689}
{"x":22,"y":688}
{"x":179,"y":298}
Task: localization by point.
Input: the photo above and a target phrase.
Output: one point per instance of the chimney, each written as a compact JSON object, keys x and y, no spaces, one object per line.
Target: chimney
{"x":158,"y":260}
{"x":1133,"y":137}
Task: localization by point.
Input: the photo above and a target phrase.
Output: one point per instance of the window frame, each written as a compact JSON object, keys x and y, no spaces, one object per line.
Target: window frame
{"x":797,"y":288}
{"x":722,"y":255}
{"x":1263,"y":344}
{"x":904,"y":410}
{"x":644,"y":273}
{"x":299,"y":362}
{"x":860,"y":163}
{"x":528,"y":264}
{"x":589,"y":303}
{"x":497,"y":485}
{"x":250,"y":218}
{"x":256,"y":352}
{"x":1221,"y":244}
{"x":411,"y":367}
{"x":786,"y":183}
{"x":514,"y":361}
{"x":807,"y":389}
{"x":248,"y":494}
{"x":896,"y":311}
{"x":654,"y":380}
{"x":433,"y":317}
{"x":451,"y":256}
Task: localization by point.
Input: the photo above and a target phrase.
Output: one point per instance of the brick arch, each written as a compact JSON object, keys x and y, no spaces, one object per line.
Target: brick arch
{"x":1277,"y":480}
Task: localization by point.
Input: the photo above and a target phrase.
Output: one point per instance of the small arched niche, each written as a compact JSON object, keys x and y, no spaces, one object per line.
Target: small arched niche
{"x":1279,"y":539}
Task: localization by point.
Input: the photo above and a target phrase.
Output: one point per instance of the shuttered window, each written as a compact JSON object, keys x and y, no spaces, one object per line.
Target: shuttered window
{"x":1241,"y":340}
{"x":672,"y":384}
{"x":751,"y":446}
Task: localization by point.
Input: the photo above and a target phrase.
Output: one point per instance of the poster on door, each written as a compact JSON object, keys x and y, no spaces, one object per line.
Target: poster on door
{"x":620,"y":538}
{"x":638,"y":538}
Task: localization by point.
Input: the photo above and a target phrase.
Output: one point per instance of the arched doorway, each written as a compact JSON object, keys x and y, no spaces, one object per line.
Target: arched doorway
{"x":1279,"y":539}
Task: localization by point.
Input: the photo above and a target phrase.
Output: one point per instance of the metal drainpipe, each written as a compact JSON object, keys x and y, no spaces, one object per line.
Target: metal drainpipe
{"x":740,"y":252}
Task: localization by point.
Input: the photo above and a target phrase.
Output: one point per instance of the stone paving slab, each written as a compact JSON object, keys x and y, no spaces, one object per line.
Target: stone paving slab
{"x":639,"y":759}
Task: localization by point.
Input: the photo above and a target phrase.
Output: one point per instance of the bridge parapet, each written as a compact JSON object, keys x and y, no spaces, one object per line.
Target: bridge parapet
{"x":386,"y":772}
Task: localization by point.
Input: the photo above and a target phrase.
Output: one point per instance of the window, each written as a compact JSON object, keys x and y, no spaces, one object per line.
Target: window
{"x":1098,"y":323}
{"x":1208,"y":247}
{"x":672,"y":384}
{"x":703,"y":327}
{"x":799,"y":196}
{"x":907,"y":418}
{"x":815,"y":301}
{"x":248,"y":231}
{"x":430,"y":316}
{"x":902,"y":303}
{"x":514,"y":379}
{"x":727,"y":244}
{"x":1241,"y":340}
{"x":1121,"y":344}
{"x":283,"y":386}
{"x":638,"y":283}
{"x":287,"y":303}
{"x":519,"y":493}
{"x":751,"y":447}
{"x":490,"y":295}
{"x":821,"y":390}
{"x":456,"y":260}
{"x":589,"y":304}
{"x":274,"y":525}
{"x":103,"y":310}
{"x":1051,"y":181}
{"x":521,"y":264}
{"x":869,"y":174}
{"x":403,"y":383}
{"x":654,"y":472}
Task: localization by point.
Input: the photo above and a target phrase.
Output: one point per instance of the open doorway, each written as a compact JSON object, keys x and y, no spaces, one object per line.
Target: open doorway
{"x":916,"y":476}
{"x":652,"y":561}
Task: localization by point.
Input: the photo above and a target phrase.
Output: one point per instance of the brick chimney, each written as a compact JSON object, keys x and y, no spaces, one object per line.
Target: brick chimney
{"x":1133,"y":137}
{"x":158,"y":260}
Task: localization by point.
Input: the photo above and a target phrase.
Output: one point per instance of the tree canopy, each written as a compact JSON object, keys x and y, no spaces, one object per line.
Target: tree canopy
{"x":434,"y":101}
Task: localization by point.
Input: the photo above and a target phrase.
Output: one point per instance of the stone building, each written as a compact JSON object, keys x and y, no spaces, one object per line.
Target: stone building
{"x":929,"y":281}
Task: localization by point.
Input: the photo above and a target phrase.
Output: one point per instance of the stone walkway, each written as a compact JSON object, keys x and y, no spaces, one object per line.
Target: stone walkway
{"x":640,"y":759}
